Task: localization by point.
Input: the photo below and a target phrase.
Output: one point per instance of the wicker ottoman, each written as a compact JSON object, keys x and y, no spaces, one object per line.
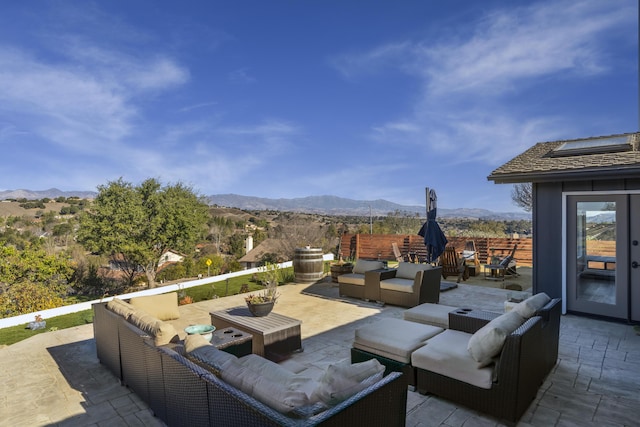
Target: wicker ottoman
{"x":391,"y":341}
{"x":430,"y":314}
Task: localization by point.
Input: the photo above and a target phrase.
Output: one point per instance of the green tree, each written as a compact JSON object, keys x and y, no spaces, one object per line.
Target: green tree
{"x":31,"y":280}
{"x":136,"y":225}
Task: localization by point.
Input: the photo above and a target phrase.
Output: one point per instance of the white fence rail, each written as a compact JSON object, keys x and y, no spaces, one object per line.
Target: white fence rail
{"x":67,"y":309}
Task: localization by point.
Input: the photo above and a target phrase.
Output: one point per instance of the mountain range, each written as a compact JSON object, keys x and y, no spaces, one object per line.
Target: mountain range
{"x":333,"y":205}
{"x":327,"y":205}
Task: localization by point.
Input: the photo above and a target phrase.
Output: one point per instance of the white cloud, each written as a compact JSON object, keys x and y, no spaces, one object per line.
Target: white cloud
{"x":241,"y":75}
{"x":512,"y":46}
{"x":473,"y":84}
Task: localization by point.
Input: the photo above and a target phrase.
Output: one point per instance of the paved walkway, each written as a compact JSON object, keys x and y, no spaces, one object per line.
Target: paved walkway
{"x":55,"y":379}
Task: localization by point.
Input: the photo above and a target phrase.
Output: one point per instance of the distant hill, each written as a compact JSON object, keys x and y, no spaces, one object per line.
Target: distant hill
{"x":333,"y":205}
{"x":51,"y":193}
{"x":325,"y":205}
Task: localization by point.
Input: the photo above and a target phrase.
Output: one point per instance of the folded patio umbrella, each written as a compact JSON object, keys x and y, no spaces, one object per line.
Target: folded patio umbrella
{"x":434,"y":238}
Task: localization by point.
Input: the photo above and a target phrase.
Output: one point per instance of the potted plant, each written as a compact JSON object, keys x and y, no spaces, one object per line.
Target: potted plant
{"x":261,"y":303}
{"x":339,"y":268}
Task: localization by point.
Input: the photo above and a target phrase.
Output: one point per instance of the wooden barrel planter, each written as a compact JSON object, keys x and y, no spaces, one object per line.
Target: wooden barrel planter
{"x":308,"y":266}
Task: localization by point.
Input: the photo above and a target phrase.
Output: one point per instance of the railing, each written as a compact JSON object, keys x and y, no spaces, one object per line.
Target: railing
{"x":379,"y":246}
{"x":74,"y":308}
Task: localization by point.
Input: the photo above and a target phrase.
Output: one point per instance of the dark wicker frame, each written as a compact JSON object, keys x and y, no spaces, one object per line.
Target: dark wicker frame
{"x":426,"y":289}
{"x":181,"y":393}
{"x":105,"y":331}
{"x":528,"y":355}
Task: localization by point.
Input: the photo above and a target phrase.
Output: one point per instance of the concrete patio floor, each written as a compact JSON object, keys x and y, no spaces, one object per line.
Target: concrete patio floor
{"x":55,"y":379}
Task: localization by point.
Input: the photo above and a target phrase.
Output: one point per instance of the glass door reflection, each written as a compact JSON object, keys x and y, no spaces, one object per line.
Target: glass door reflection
{"x":596,"y":252}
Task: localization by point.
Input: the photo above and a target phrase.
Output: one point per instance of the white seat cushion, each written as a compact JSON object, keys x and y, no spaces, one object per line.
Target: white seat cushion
{"x":430,"y":314}
{"x":352,"y":279}
{"x":393,"y":338}
{"x":446,"y":354}
{"x":397,"y":284}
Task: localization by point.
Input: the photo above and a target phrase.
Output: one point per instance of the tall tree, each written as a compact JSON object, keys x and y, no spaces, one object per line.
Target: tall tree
{"x":522,"y":195}
{"x":136,"y":225}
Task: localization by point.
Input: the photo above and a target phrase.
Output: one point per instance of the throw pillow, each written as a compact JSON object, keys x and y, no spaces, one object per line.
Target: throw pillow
{"x":211,"y":358}
{"x":282,"y":396}
{"x":408,"y":270}
{"x":363,"y":265}
{"x":266,"y":368}
{"x":239,"y":376}
{"x":487,"y":342}
{"x":163,"y":306}
{"x":192,"y":342}
{"x":342,"y":380}
{"x":531,"y":305}
{"x":120,"y":307}
{"x":162,"y":332}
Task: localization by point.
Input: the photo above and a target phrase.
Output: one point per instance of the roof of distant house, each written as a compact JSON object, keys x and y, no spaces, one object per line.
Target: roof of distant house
{"x":275,"y":246}
{"x":574,"y":159}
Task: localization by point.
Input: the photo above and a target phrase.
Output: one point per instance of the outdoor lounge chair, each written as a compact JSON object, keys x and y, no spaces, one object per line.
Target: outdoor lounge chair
{"x":470,"y":256}
{"x":505,"y":268}
{"x":453,"y":265}
{"x":397,"y":253}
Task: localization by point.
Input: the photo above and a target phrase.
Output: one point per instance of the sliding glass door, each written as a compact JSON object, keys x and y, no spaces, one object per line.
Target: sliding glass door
{"x":598,"y":280}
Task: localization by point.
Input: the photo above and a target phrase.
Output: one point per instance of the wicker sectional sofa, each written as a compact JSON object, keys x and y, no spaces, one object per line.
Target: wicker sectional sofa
{"x":182,"y":392}
{"x":505,"y":383}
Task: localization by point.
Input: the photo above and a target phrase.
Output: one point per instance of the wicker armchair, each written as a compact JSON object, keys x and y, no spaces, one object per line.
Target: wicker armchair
{"x":528,"y":355}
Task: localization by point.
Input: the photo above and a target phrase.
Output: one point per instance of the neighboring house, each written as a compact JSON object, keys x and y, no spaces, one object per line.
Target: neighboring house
{"x":169,"y":257}
{"x":586,"y":232}
{"x":253,"y":258}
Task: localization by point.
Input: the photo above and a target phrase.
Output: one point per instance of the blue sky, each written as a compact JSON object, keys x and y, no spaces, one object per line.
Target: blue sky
{"x":283,"y":99}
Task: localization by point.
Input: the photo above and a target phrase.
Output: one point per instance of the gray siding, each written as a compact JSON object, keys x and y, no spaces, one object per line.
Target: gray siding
{"x":547,"y":227}
{"x":547,"y":239}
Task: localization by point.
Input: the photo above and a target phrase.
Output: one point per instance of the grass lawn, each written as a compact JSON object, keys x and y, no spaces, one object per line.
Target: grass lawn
{"x":231,"y":286}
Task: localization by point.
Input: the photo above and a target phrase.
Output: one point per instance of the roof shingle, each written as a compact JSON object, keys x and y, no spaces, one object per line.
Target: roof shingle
{"x":536,"y":164}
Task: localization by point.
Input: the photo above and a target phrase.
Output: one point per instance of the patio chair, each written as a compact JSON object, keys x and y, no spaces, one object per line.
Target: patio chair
{"x":453,"y":265}
{"x":470,"y":256}
{"x":397,"y":253}
{"x":505,"y":268}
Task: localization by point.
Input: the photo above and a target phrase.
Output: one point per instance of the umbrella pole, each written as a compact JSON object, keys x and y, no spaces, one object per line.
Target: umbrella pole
{"x":428,"y":204}
{"x":426,"y":189}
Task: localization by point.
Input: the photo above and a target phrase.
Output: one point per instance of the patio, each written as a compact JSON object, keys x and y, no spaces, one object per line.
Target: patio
{"x":55,"y":378}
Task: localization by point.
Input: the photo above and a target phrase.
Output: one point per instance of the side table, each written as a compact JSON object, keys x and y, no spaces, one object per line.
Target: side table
{"x":234,"y":341}
{"x":470,"y":320}
{"x":274,"y":335}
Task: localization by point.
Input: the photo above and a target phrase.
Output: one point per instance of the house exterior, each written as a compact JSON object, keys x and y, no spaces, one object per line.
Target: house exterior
{"x":169,"y":257}
{"x":586,"y":221}
{"x":254,"y":257}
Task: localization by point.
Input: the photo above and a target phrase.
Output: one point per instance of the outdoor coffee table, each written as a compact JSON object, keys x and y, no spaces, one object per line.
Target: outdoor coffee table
{"x":274,"y":335}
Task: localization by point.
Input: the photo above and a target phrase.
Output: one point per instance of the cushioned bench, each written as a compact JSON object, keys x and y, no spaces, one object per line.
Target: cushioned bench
{"x":392,"y":341}
{"x":430,"y":314}
{"x":353,"y":284}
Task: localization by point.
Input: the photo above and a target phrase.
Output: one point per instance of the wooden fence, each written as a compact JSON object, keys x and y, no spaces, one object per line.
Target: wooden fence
{"x":379,"y":246}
